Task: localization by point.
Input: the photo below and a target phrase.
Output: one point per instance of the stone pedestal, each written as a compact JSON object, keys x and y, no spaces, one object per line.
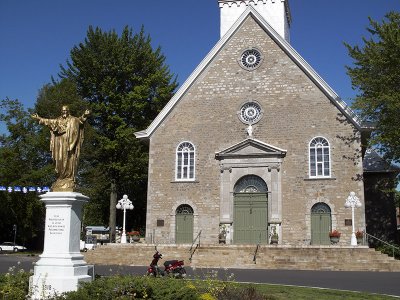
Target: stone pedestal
{"x":61,"y":266}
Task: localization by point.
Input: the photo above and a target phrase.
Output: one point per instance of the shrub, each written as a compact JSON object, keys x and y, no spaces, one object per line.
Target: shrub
{"x":247,"y":293}
{"x":133,"y":287}
{"x":14,"y":284}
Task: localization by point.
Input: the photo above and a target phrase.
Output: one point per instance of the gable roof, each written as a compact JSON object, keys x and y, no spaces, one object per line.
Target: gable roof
{"x":284,"y":45}
{"x":250,"y":147}
{"x":374,"y":163}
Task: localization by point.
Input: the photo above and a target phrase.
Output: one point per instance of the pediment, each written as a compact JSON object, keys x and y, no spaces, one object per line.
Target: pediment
{"x":284,"y":45}
{"x":250,"y":148}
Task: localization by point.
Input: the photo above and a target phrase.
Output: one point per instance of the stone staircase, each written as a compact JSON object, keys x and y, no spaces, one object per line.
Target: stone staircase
{"x":334,"y":258}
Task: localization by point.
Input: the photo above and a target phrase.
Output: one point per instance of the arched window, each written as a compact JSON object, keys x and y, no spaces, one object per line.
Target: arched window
{"x":185,"y":154}
{"x":251,"y":184}
{"x":320,"y":162}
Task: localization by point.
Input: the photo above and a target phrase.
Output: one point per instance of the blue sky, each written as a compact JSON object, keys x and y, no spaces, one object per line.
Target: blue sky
{"x":36,"y":36}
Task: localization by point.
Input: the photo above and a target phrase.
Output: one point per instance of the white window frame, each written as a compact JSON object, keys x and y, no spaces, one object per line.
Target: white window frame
{"x":185,"y":168}
{"x":320,"y":163}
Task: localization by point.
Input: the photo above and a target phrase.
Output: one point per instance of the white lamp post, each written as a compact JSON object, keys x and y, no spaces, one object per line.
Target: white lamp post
{"x":124,"y":204}
{"x":353,"y":202}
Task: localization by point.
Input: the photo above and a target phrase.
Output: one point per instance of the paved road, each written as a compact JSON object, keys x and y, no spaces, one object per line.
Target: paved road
{"x":372,"y":282}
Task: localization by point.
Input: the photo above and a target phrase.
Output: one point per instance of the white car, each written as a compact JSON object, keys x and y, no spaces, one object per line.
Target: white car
{"x":85,"y":247}
{"x":8,"y":246}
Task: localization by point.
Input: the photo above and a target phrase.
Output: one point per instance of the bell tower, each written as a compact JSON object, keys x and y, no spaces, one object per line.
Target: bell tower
{"x":275,"y":12}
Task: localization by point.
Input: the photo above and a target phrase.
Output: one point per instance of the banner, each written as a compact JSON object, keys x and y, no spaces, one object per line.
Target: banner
{"x":24,"y":189}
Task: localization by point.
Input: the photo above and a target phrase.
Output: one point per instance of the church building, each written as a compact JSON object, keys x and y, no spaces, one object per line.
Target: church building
{"x":254,"y":144}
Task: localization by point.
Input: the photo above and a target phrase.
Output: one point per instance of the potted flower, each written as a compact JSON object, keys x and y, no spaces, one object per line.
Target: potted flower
{"x":334,"y":235}
{"x":134,"y":235}
{"x":359,"y":236}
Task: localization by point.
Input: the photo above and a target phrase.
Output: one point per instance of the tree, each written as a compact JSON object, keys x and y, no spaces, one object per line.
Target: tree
{"x":23,"y":162}
{"x":126,"y":83}
{"x":375,"y":75}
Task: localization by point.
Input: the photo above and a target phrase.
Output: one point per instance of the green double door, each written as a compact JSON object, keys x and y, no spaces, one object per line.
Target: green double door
{"x":250,"y":218}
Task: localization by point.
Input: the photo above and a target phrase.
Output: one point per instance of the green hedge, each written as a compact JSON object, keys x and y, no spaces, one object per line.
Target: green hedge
{"x":15,"y":286}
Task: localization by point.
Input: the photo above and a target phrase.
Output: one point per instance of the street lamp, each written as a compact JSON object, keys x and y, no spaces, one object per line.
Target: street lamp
{"x":15,"y":232}
{"x":124,"y":204}
{"x":353,"y":202}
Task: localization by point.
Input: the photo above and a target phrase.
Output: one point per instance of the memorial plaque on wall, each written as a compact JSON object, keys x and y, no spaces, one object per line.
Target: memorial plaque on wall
{"x":160,"y":223}
{"x":347,"y":222}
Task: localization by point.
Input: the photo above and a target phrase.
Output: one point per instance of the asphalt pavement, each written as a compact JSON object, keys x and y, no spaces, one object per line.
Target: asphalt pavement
{"x":372,"y":282}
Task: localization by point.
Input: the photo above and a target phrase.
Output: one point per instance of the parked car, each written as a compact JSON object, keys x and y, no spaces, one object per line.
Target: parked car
{"x":86,"y":246}
{"x":9,"y":246}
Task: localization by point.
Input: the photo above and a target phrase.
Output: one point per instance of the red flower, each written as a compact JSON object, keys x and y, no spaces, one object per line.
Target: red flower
{"x":334,"y":233}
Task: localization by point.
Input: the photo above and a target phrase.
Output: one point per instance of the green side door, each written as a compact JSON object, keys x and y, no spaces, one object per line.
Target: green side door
{"x":250,"y":218}
{"x":184,"y":229}
{"x":320,"y":227}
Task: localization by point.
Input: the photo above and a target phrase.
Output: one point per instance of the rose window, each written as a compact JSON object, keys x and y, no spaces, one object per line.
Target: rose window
{"x":250,"y":113}
{"x":250,"y":59}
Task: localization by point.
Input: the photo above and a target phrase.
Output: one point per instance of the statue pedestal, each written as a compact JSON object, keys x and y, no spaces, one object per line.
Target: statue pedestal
{"x":61,"y":266}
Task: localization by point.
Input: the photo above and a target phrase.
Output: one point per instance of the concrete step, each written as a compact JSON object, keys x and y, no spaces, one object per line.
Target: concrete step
{"x":241,"y":256}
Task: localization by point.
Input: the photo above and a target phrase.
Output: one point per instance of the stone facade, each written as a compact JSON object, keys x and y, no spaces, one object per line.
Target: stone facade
{"x":295,"y":109}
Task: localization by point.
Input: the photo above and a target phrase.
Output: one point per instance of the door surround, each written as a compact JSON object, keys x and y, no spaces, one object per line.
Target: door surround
{"x":251,"y":157}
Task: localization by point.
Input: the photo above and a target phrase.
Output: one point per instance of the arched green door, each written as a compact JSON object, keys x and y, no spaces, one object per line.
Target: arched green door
{"x":184,"y":224}
{"x":321,"y":223}
{"x":250,"y":211}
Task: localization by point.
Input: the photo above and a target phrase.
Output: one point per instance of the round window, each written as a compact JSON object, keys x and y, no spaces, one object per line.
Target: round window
{"x":250,"y":59}
{"x":250,"y":113}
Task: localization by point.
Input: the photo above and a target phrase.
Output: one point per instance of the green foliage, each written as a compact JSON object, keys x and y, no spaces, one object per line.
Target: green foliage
{"x":247,"y":293}
{"x":24,"y":161}
{"x":393,"y":250}
{"x":125,"y":83}
{"x":375,"y":74}
{"x":14,"y":285}
{"x":397,"y":198}
{"x":128,"y":287}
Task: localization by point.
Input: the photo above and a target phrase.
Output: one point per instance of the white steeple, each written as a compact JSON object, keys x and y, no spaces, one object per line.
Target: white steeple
{"x":275,"y":12}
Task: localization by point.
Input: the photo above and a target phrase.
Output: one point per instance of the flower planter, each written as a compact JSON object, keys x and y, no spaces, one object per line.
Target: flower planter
{"x":135,"y":238}
{"x":334,"y":240}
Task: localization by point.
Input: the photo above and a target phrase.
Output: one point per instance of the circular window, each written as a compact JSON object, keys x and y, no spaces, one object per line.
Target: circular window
{"x":250,"y":59}
{"x":250,"y":113}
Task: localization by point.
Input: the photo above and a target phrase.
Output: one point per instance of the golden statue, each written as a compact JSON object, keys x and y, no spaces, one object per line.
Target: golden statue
{"x":65,"y":146}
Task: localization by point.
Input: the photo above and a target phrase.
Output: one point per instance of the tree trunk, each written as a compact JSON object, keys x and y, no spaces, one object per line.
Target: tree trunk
{"x":113,"y":203}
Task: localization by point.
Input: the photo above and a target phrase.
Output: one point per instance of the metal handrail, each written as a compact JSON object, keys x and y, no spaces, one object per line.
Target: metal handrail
{"x":194,"y":241}
{"x":366,"y":236}
{"x":258,"y":246}
{"x":197,"y":245}
{"x":255,"y":254}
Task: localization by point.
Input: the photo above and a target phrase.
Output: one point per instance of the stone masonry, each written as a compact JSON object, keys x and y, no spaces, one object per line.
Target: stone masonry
{"x":295,"y":110}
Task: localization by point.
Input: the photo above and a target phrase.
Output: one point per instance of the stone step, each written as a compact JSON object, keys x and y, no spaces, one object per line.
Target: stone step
{"x":240,"y":256}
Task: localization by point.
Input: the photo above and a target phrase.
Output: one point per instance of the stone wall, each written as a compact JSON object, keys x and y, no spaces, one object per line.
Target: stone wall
{"x":295,"y":111}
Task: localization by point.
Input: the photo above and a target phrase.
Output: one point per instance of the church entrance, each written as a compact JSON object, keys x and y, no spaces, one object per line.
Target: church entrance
{"x":184,"y":224}
{"x":250,"y":211}
{"x":320,"y":224}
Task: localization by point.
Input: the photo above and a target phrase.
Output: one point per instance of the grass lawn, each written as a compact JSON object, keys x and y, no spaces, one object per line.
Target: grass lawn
{"x":291,"y":292}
